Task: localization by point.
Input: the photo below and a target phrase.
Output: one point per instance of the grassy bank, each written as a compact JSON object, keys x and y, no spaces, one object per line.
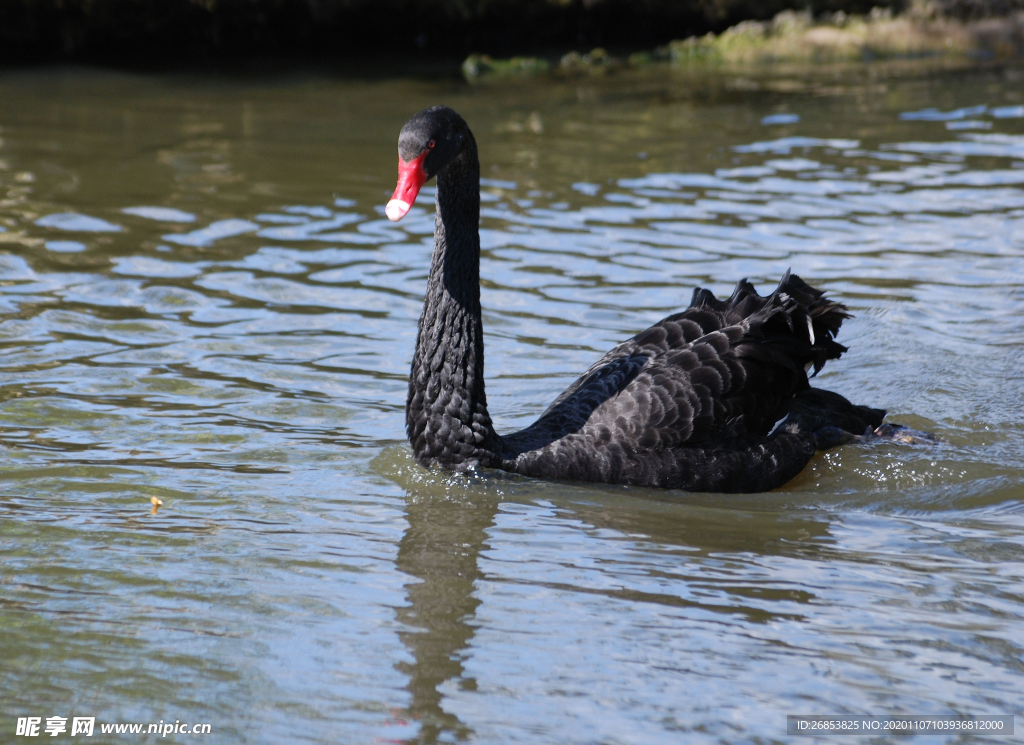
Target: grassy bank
{"x":798,"y":37}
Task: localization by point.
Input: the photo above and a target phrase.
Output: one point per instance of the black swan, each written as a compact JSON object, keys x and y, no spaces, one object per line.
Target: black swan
{"x":714,"y":399}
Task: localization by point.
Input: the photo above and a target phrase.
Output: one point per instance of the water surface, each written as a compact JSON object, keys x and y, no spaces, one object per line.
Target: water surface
{"x":203,"y":303}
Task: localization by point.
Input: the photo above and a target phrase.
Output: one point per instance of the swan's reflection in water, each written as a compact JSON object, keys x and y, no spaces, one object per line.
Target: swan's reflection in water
{"x":441,"y":549}
{"x":453,"y":522}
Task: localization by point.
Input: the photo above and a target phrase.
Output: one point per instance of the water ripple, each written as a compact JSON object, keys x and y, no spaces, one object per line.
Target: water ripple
{"x":305,"y":579}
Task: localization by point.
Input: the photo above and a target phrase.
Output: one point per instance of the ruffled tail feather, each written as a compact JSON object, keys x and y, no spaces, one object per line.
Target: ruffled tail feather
{"x":796,"y":318}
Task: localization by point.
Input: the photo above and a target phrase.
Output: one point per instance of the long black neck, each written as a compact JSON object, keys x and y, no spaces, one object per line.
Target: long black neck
{"x":446,"y":412}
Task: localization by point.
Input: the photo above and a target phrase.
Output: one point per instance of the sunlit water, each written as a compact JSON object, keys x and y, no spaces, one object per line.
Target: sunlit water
{"x":202,"y":303}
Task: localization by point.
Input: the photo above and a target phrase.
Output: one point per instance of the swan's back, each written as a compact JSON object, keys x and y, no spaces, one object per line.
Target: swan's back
{"x":694,"y":401}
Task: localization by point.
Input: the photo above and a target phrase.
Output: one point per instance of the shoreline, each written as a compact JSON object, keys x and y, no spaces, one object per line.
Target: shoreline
{"x":141,"y":33}
{"x":355,"y":37}
{"x":794,"y":39}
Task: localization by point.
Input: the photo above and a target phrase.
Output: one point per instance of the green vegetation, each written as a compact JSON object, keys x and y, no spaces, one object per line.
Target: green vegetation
{"x":798,"y":37}
{"x":481,"y":65}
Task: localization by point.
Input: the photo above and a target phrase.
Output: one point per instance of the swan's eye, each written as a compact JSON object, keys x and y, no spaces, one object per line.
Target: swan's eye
{"x":430,"y":145}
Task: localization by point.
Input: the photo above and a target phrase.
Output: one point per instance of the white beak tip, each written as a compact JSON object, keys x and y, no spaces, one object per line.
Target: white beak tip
{"x":396,"y":210}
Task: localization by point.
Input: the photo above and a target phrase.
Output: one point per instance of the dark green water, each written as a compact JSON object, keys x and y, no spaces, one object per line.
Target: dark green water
{"x":202,"y":302}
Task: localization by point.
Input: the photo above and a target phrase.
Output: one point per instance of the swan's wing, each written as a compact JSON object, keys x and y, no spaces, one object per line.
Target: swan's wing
{"x":720,"y":368}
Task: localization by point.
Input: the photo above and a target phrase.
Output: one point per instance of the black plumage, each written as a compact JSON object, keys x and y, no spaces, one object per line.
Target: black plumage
{"x":715,"y":398}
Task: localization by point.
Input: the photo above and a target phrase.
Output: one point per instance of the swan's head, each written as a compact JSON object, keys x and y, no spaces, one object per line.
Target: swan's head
{"x":426,"y":144}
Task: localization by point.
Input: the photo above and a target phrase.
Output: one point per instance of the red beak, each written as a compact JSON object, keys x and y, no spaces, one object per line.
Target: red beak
{"x":411,"y":177}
